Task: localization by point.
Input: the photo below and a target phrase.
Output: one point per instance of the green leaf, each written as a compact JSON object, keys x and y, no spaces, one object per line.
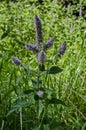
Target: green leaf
{"x":56,"y":101}
{"x":28,"y":91}
{"x":20,"y":104}
{"x":26,"y":69}
{"x":17,"y":106}
{"x":54,"y":70}
{"x":35,"y":83}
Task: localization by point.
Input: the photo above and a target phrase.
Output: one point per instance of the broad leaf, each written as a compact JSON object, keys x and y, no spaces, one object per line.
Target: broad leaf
{"x":54,"y":70}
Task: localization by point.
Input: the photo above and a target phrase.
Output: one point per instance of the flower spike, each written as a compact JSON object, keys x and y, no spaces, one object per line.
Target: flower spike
{"x":38,"y":28}
{"x":16,"y":61}
{"x":41,"y":57}
{"x":62,"y":49}
{"x":32,"y":47}
{"x":49,"y":43}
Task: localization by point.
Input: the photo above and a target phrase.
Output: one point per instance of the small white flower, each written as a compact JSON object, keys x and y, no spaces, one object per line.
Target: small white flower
{"x":40,"y":93}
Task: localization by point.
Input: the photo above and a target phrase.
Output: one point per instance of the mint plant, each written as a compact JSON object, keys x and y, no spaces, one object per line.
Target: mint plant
{"x":43,"y":97}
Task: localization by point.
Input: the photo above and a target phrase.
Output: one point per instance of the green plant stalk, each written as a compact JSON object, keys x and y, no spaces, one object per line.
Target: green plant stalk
{"x":21,"y":119}
{"x":45,"y":109}
{"x":38,"y":100}
{"x":2,"y":127}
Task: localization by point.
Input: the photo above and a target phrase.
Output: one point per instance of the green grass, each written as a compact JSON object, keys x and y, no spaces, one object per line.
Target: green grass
{"x":18,"y":109}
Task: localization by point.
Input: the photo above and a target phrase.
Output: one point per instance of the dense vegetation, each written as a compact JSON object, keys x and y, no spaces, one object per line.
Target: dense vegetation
{"x":63,"y":82}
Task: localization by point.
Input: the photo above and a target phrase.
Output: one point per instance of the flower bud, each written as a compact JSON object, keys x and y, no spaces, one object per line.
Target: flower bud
{"x":62,"y":49}
{"x":32,"y":47}
{"x":38,"y":28}
{"x":16,"y":61}
{"x":48,"y":43}
{"x":41,"y":57}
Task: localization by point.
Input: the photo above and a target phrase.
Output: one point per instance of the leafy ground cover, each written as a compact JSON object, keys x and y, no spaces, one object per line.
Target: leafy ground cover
{"x":63,"y":102}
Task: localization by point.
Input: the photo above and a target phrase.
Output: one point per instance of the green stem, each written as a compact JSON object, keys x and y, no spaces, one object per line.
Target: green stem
{"x":21,"y":118}
{"x":38,"y":99}
{"x":44,"y":112}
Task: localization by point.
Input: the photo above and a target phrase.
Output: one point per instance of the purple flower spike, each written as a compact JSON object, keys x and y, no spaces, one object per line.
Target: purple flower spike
{"x":62,"y":49}
{"x":48,"y":43}
{"x":38,"y":28}
{"x":16,"y":61}
{"x":32,"y":47}
{"x":41,"y":57}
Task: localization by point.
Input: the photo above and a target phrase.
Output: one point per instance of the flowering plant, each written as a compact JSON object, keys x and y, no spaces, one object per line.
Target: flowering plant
{"x":39,"y":90}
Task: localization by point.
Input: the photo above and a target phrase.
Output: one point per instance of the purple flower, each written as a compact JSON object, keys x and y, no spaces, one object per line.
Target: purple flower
{"x":38,"y":28}
{"x":32,"y":47}
{"x":41,"y":57}
{"x":16,"y":61}
{"x":40,"y":48}
{"x":48,"y":43}
{"x":40,"y":93}
{"x":62,"y":49}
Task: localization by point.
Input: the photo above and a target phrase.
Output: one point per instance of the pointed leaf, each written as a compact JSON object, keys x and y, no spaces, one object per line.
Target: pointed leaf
{"x":17,"y":106}
{"x":26,"y":69}
{"x":56,"y":101}
{"x":54,"y":70}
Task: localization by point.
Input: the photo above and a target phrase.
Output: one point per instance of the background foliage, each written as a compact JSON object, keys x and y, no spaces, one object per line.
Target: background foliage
{"x":62,"y":20}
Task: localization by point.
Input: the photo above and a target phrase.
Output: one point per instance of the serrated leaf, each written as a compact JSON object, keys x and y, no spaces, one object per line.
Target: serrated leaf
{"x":54,"y":70}
{"x":56,"y":101}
